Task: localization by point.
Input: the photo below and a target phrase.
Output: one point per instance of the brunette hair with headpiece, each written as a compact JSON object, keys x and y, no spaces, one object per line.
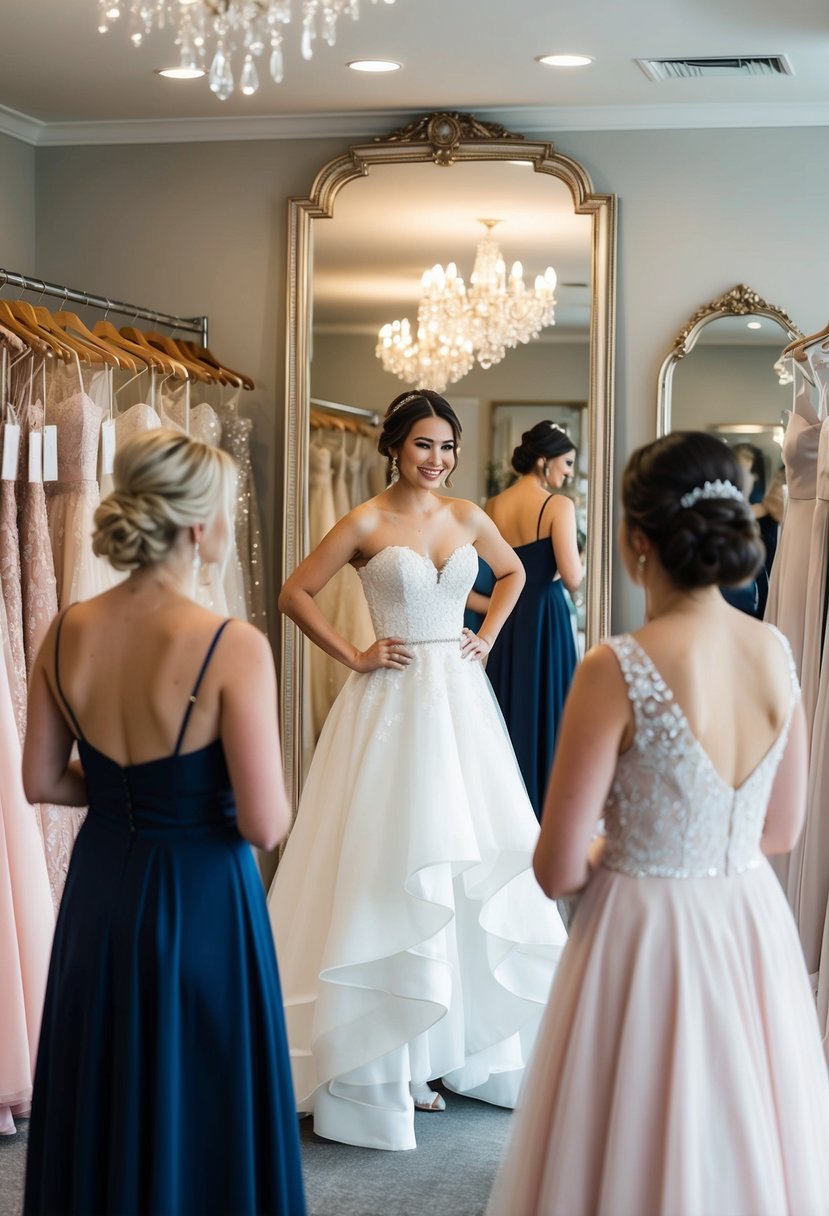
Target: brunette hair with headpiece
{"x":714,"y":541}
{"x":545,"y":440}
{"x":409,"y":408}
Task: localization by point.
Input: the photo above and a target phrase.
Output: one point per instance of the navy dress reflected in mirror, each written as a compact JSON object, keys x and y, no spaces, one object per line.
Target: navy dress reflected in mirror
{"x":163,"y":1084}
{"x":532,"y":664}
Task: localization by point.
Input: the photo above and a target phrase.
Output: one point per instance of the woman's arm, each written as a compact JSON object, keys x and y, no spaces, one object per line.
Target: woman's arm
{"x":787,"y":804}
{"x":296,"y":599}
{"x":48,"y":774}
{"x":596,"y":723}
{"x":476,"y":602}
{"x":508,"y":571}
{"x":249,"y":730}
{"x":564,"y":537}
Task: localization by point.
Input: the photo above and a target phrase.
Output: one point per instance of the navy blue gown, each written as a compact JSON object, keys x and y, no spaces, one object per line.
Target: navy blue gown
{"x":532,"y":664}
{"x":163,"y":1083}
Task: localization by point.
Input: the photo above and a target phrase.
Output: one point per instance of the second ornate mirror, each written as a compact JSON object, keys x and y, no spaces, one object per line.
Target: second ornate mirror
{"x":375,"y":219}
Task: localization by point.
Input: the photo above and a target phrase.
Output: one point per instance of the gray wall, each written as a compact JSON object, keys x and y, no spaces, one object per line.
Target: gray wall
{"x":202,"y":228}
{"x":17,"y":205}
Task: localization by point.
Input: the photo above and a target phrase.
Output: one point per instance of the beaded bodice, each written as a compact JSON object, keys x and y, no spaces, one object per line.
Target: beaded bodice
{"x":669,"y":813}
{"x":409,"y":597}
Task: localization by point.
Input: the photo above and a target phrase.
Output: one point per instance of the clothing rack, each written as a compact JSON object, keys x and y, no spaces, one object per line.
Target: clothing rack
{"x":195,"y":325}
{"x":334,"y":407}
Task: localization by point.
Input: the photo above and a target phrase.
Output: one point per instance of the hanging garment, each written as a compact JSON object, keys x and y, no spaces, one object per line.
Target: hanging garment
{"x":236,"y":439}
{"x":325,"y":677}
{"x":678,"y":1071}
{"x":26,"y":917}
{"x":532,"y":664}
{"x":73,"y":499}
{"x":413,"y":939}
{"x":163,"y":1081}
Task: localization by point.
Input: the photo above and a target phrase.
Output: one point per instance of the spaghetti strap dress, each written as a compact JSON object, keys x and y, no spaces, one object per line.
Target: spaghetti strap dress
{"x":532,"y":664}
{"x":163,"y":1083}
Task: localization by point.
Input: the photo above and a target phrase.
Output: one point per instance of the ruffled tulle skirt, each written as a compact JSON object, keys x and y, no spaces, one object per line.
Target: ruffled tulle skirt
{"x":414,"y":942}
{"x":679,"y":1070}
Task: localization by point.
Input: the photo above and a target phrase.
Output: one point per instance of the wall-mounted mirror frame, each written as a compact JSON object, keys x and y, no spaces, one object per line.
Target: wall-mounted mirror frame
{"x":443,"y":139}
{"x":740,"y":301}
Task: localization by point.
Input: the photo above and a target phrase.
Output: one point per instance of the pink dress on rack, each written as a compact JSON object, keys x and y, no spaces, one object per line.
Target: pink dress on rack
{"x":678,"y":1070}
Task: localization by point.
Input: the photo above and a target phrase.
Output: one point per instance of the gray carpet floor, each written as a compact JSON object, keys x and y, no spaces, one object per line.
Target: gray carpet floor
{"x":451,"y":1170}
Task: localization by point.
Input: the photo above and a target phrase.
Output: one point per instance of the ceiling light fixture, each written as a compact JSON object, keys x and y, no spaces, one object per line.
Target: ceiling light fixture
{"x":210,"y":33}
{"x":374,"y":65}
{"x":457,"y":326}
{"x":180,"y":73}
{"x":564,"y":61}
{"x":753,"y":325}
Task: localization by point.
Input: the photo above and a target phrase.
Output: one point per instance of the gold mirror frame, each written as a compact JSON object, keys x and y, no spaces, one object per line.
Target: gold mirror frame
{"x":740,"y":301}
{"x":443,"y":139}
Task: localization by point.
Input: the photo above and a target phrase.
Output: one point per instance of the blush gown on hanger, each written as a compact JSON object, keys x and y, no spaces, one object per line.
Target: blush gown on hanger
{"x":678,"y":1071}
{"x":163,"y":1084}
{"x":532,"y":665}
{"x":413,"y":939}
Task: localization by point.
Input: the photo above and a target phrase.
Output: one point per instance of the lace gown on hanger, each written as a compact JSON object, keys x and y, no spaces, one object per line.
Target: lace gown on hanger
{"x":413,"y":939}
{"x":678,"y":1071}
{"x":73,"y":499}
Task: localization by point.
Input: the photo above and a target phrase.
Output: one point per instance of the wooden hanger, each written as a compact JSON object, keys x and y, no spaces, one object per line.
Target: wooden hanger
{"x":799,"y":346}
{"x":198,"y":370}
{"x":23,"y":313}
{"x":139,"y":338}
{"x":143,"y":351}
{"x":238,"y":379}
{"x":117,"y":357}
{"x":90,"y":353}
{"x":35,"y":341}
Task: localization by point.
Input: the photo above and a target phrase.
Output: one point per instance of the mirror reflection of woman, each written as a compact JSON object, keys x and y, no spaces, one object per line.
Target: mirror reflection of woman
{"x":414,"y":943}
{"x":532,"y":665}
{"x":679,"y":1070}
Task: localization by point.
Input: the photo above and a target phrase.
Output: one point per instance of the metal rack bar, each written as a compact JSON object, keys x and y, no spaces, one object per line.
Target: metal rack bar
{"x":195,"y":325}
{"x":335,"y":407}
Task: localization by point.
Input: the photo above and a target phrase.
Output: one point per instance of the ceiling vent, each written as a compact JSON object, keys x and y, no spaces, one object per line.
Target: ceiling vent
{"x":717,"y":66}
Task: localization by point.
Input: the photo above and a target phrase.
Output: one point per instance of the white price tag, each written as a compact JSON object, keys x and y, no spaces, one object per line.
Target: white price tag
{"x":11,"y":450}
{"x":50,"y":453}
{"x":107,"y":445}
{"x":35,"y":456}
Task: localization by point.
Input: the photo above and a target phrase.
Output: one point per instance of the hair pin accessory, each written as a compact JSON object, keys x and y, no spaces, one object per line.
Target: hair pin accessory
{"x":405,"y":401}
{"x":712,"y":489}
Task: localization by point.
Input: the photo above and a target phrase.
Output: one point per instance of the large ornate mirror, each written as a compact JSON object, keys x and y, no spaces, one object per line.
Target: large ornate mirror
{"x":376,"y":218}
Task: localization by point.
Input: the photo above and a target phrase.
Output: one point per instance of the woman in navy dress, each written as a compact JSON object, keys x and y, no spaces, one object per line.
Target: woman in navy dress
{"x":163,"y":1084}
{"x":533,"y":661}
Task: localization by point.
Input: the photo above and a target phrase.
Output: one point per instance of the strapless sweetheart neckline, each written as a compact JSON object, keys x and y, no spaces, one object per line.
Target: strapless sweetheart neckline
{"x":439,"y":570}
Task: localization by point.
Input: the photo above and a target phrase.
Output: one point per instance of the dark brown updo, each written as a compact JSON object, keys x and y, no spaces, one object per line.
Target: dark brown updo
{"x":409,"y":408}
{"x":713,"y":542}
{"x":545,"y":439}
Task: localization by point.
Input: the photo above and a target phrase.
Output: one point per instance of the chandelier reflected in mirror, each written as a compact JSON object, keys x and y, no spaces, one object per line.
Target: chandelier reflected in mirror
{"x":213,"y":36}
{"x":457,"y":327}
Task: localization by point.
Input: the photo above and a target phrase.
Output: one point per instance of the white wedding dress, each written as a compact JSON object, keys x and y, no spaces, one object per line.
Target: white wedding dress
{"x":413,"y":940}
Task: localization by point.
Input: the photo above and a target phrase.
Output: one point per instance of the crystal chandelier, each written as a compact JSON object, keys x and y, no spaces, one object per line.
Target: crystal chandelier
{"x":212,"y":35}
{"x":456,"y":326}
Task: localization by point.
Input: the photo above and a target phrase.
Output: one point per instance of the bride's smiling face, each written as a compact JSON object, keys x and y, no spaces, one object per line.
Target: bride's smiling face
{"x":428,"y":454}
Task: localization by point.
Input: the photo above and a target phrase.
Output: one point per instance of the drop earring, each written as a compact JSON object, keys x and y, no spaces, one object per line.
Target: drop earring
{"x":643,"y":561}
{"x":196,"y":566}
{"x":394,"y":475}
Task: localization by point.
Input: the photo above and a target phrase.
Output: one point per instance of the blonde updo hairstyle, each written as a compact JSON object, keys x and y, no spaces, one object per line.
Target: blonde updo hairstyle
{"x":164,"y":481}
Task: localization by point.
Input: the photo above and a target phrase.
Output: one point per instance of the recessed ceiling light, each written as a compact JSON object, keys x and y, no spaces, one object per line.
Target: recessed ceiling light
{"x":180,"y":73}
{"x":753,"y":325}
{"x":374,"y":65}
{"x":564,"y":61}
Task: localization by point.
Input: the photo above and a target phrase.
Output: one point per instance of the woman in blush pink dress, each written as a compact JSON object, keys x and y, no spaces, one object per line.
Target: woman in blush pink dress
{"x":679,"y":1070}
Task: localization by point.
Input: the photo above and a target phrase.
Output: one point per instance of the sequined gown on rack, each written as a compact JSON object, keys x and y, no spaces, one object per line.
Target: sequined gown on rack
{"x":678,"y":1071}
{"x":413,"y":939}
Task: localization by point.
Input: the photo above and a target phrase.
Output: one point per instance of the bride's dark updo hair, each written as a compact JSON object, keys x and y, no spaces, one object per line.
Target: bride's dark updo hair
{"x":714,"y":541}
{"x":409,"y":408}
{"x":545,"y":439}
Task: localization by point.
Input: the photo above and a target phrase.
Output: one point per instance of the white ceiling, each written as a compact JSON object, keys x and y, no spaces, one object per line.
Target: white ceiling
{"x":469,"y":54}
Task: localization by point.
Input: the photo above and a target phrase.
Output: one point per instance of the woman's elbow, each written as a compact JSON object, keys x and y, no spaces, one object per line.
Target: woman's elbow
{"x":573,"y":577}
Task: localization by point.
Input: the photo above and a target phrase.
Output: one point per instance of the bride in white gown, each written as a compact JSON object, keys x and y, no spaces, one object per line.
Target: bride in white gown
{"x":414,"y":942}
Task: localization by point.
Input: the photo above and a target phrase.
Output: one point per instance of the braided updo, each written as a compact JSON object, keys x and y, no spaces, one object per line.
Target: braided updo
{"x":546,"y":440}
{"x":409,"y":408}
{"x":164,"y":481}
{"x":713,"y":542}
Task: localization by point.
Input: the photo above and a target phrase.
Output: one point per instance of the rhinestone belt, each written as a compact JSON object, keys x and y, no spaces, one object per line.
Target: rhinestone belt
{"x":433,"y":641}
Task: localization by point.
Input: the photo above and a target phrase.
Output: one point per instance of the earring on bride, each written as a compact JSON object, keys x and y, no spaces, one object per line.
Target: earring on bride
{"x":394,"y":475}
{"x":196,"y":565}
{"x":643,"y":561}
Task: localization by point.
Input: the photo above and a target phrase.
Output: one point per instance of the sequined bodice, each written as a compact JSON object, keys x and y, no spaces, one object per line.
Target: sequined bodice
{"x":237,"y":438}
{"x":409,"y":597}
{"x":669,"y":813}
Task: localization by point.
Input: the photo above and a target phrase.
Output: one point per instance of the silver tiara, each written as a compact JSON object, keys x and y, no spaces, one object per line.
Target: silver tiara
{"x":555,"y":427}
{"x":712,"y":489}
{"x":405,"y":401}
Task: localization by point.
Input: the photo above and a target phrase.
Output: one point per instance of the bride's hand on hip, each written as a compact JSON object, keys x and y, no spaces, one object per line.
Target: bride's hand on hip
{"x":473,"y":646}
{"x":385,"y":652}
